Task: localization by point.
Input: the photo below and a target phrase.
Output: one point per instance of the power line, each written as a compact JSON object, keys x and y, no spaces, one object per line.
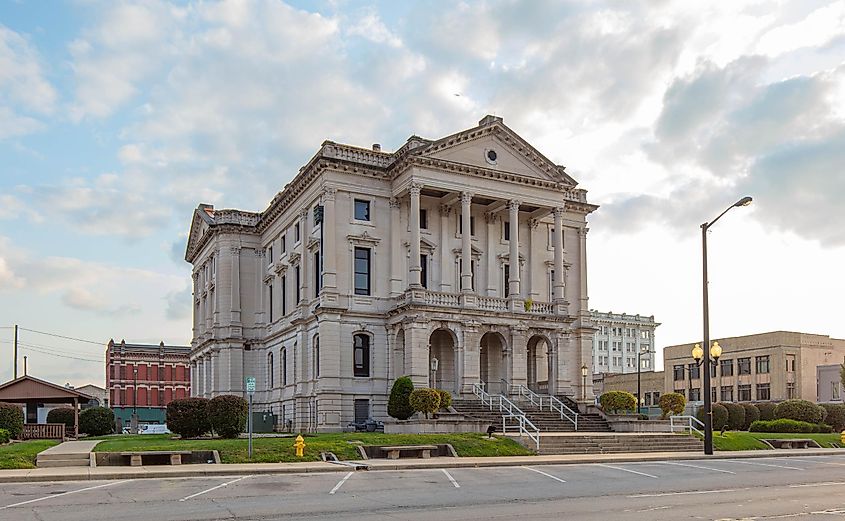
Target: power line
{"x":54,"y":349}
{"x":63,"y":336}
{"x":35,"y":350}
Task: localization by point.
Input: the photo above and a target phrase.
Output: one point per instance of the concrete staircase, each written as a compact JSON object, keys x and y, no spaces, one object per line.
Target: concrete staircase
{"x":67,"y":454}
{"x":545,"y":420}
{"x":604,"y":443}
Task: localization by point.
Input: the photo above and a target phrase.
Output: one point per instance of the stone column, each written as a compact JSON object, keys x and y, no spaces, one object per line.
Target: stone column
{"x":303,"y":259}
{"x":492,"y":265}
{"x":567,"y":367}
{"x":416,"y":353}
{"x":414,"y":268}
{"x":557,"y":242}
{"x":518,"y":370}
{"x":260,"y":286}
{"x":445,"y":259}
{"x":532,"y":285}
{"x":466,"y":244}
{"x":396,"y":249}
{"x":200,"y":376}
{"x":513,"y":257}
{"x":195,"y":310}
{"x":329,"y":243}
{"x":236,"y":286}
{"x":472,"y":357}
{"x":553,"y":367}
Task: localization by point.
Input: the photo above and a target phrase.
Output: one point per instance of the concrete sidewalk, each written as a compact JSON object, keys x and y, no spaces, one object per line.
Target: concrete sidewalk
{"x":241,"y":469}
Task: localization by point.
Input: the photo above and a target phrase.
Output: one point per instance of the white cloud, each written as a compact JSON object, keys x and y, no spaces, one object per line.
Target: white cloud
{"x":372,"y":28}
{"x":22,"y":79}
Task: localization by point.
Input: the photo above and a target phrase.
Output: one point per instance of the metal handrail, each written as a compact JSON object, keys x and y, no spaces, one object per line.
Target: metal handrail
{"x":686,"y":422}
{"x":511,"y":410}
{"x":552,"y":402}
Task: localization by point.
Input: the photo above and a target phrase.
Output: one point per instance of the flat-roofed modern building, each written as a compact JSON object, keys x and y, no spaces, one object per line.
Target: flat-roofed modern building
{"x":456,"y":261}
{"x":618,"y":339}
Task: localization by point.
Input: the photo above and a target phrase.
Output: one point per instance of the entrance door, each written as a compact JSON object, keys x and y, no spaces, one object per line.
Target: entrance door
{"x":362,"y":410}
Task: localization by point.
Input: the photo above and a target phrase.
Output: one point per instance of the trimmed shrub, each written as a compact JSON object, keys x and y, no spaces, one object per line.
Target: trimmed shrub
{"x":736,"y":416}
{"x":188,"y":417}
{"x":824,"y":428}
{"x":835,"y":415}
{"x":783,"y":425}
{"x":615,"y":401}
{"x":228,"y":414}
{"x":445,"y":398}
{"x":767,"y":410}
{"x":425,"y":400}
{"x":62,"y":415}
{"x":11,"y":419}
{"x":800,"y":410}
{"x":399,"y":404}
{"x":4,"y":436}
{"x":720,"y":416}
{"x":96,"y":421}
{"x":752,"y":414}
{"x":672,"y":403}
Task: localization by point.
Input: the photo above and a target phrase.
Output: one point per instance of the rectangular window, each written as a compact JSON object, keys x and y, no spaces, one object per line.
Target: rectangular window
{"x":506,"y":230}
{"x":790,"y":363}
{"x":551,"y":284}
{"x":423,"y":219}
{"x":762,"y":363}
{"x":361,"y":355}
{"x":506,"y":282}
{"x":270,"y":254}
{"x":297,"y":273}
{"x":318,"y":275}
{"x":678,"y":373}
{"x":270,"y":300}
{"x":316,"y":356}
{"x":362,"y":210}
{"x":695,"y":395}
{"x":713,"y":395}
{"x":743,"y":365}
{"x":282,"y":243}
{"x":764,"y":392}
{"x":743,"y":393}
{"x":424,"y":272}
{"x":362,"y":271}
{"x":694,"y":371}
{"x":727,"y":367}
{"x":727,"y":393}
{"x":362,"y":410}
{"x":790,"y":391}
{"x":284,"y":365}
{"x":271,"y":372}
{"x":284,"y":295}
{"x":296,"y":237}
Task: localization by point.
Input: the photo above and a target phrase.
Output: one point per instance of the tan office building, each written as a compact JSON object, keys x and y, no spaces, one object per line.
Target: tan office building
{"x":775,"y":366}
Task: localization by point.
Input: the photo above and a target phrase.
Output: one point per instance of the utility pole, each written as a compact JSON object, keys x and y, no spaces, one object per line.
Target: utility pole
{"x":24,"y":365}
{"x":16,"y":353}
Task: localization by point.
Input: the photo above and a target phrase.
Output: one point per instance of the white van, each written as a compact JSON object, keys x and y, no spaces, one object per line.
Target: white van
{"x":153,"y":429}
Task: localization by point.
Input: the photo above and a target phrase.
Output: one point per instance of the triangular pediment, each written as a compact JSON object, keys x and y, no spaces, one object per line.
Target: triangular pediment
{"x":201,"y":222}
{"x":494,"y":146}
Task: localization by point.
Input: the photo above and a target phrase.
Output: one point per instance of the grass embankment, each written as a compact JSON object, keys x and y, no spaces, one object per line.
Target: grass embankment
{"x":22,"y":455}
{"x":738,"y":440}
{"x":271,"y":450}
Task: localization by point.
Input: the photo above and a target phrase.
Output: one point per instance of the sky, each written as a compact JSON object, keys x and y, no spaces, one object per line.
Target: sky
{"x":118,"y":118}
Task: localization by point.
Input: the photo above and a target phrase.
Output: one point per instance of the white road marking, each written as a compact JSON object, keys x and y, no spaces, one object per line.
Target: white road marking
{"x":763,"y":464}
{"x":451,"y":478}
{"x":697,"y":467}
{"x":825,"y":484}
{"x":691,"y":492}
{"x":819,"y":461}
{"x":341,"y":482}
{"x":627,"y":470}
{"x":206,"y":491}
{"x":65,"y":493}
{"x":545,"y":474}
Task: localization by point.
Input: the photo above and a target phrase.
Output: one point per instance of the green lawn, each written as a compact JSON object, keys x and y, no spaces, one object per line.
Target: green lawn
{"x":738,"y":440}
{"x":268,"y":450}
{"x":22,"y":455}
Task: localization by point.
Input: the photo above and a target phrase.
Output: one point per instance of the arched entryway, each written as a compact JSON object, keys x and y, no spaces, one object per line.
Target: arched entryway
{"x":442,"y":375}
{"x":492,"y":362}
{"x":539,"y":364}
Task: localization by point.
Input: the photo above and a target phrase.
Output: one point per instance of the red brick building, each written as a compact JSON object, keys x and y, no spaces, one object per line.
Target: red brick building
{"x":143,"y":379}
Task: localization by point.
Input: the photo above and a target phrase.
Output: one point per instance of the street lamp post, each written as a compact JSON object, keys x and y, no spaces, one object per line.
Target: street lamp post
{"x":639,"y":366}
{"x":134,"y":390}
{"x":708,"y":414}
{"x":584,"y":370}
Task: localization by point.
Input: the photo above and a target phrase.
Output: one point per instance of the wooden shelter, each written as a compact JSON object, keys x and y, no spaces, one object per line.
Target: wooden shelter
{"x":31,"y":392}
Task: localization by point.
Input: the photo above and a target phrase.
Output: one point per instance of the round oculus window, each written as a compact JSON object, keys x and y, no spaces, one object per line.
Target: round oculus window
{"x":491,"y":156}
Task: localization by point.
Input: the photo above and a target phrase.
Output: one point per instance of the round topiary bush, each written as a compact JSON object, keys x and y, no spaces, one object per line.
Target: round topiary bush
{"x":445,"y":398}
{"x":399,"y":404}
{"x":736,"y":416}
{"x":228,"y":414}
{"x":96,"y":421}
{"x":767,"y":410}
{"x":720,"y":416}
{"x":425,"y":400}
{"x":752,"y":414}
{"x":672,"y":403}
{"x":616,"y":401}
{"x":62,"y":415}
{"x":11,"y":419}
{"x":188,"y":417}
{"x":835,"y":416}
{"x":800,"y":410}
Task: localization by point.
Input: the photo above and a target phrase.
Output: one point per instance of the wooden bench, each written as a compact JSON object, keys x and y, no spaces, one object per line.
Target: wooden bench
{"x":421,"y":451}
{"x":135,"y":458}
{"x":791,"y":443}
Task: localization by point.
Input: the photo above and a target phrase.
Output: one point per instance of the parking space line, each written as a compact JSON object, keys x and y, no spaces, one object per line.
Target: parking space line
{"x":545,"y":474}
{"x":689,"y":492}
{"x":819,"y":461}
{"x":341,"y":482}
{"x":763,"y":464}
{"x":65,"y":493}
{"x":206,"y":491}
{"x":697,"y":467}
{"x":451,"y":478}
{"x":627,"y":470}
{"x":825,"y":484}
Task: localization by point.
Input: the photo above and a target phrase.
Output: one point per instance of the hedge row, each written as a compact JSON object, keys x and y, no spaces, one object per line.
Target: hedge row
{"x":785,"y":425}
{"x":742,"y":416}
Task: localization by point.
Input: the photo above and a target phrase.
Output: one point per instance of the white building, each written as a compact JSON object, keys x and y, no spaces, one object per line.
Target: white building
{"x":617,"y":340}
{"x":360,"y":271}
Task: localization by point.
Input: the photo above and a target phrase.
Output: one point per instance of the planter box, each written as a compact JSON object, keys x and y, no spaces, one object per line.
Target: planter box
{"x":630,"y":423}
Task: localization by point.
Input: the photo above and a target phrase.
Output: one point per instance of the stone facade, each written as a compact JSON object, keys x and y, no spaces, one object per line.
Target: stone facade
{"x":652,"y":385}
{"x":769,"y":366}
{"x":369,"y":265}
{"x":618,"y":339}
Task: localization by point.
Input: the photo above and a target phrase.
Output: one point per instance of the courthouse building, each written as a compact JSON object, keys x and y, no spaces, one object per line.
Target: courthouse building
{"x":456,"y":261}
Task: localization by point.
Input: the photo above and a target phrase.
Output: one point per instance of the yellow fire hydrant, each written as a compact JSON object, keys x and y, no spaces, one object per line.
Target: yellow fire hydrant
{"x":842,"y":438}
{"x":299,"y":445}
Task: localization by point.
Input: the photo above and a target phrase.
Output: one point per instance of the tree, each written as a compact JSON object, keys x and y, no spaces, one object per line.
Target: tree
{"x":445,"y":398}
{"x":188,"y":417}
{"x":62,"y":415}
{"x":672,"y":403}
{"x":399,"y":404}
{"x":228,"y":414}
{"x":96,"y":421}
{"x":11,"y":419}
{"x":615,"y":401}
{"x":425,"y":400}
{"x":800,"y":410}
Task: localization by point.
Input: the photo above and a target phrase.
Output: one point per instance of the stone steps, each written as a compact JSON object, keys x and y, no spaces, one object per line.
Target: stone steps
{"x":609,"y":444}
{"x":67,"y":454}
{"x":546,"y":421}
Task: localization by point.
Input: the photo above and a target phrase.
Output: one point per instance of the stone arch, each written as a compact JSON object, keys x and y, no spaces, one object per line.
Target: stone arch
{"x":539,"y":363}
{"x":493,"y":354}
{"x":442,"y":345}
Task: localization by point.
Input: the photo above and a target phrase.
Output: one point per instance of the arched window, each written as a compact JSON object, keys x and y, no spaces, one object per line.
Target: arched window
{"x":283,"y":365}
{"x":361,"y":355}
{"x":270,"y":372}
{"x":316,"y":361}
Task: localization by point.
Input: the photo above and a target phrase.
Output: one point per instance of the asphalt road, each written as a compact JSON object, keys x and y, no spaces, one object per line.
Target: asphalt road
{"x":771,"y":488}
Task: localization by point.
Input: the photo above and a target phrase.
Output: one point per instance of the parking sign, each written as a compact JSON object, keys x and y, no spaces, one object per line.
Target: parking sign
{"x":250,"y":385}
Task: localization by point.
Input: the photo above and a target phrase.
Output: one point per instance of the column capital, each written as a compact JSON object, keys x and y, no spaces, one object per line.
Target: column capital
{"x":559,"y":211}
{"x":533,"y":223}
{"x":235,"y":250}
{"x":329,"y":193}
{"x":395,"y":203}
{"x":445,"y":209}
{"x":514,"y":203}
{"x":303,"y":214}
{"x":415,"y":188}
{"x":466,"y":197}
{"x":583,"y":231}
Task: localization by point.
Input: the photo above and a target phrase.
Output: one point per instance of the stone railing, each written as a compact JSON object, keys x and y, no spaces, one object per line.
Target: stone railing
{"x":357,"y":155}
{"x":493,"y":303}
{"x":436,"y":298}
{"x":541,"y":308}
